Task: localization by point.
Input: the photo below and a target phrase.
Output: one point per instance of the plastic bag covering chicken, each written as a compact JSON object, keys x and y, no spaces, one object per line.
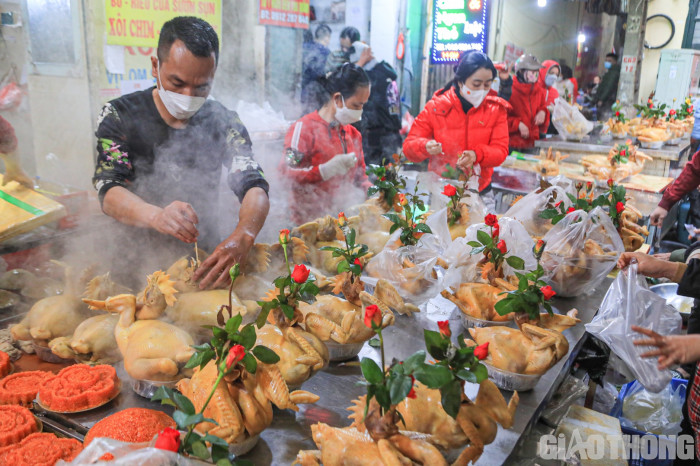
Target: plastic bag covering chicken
{"x":59,"y":316}
{"x":241,"y":404}
{"x":476,"y":424}
{"x":152,"y":350}
{"x":478,"y":300}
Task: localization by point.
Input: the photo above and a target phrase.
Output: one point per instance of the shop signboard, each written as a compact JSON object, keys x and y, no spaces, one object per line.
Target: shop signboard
{"x":137,"y":23}
{"x":286,"y":13}
{"x":458,"y":26}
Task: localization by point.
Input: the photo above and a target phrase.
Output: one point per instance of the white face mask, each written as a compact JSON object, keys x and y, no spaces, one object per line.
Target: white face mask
{"x":181,"y":107}
{"x":551,"y":79}
{"x":473,"y":97}
{"x":345,"y":115}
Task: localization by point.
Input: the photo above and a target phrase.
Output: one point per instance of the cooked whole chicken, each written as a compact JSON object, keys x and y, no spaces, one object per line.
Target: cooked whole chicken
{"x":532,"y":350}
{"x":475,"y":425}
{"x":92,"y":342}
{"x":152,"y":350}
{"x":241,"y":407}
{"x":478,"y":300}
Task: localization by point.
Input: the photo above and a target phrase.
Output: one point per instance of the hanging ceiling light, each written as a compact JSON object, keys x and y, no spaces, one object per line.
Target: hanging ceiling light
{"x":541,"y":3}
{"x":581,"y":38}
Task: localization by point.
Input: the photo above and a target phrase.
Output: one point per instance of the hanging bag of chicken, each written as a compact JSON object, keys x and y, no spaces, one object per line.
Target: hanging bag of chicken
{"x":581,"y":250}
{"x":629,"y":302}
{"x":569,"y":121}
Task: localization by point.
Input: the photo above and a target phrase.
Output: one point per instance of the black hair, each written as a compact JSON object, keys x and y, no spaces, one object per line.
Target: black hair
{"x":469,"y":63}
{"x":323,"y":30}
{"x":350,"y":33}
{"x":611,"y":55}
{"x":197,"y":35}
{"x":566,"y":72}
{"x":346,"y":80}
{"x":307,"y":36}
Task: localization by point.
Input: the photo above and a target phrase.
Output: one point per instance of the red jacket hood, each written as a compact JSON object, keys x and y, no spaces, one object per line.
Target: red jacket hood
{"x":546,"y":66}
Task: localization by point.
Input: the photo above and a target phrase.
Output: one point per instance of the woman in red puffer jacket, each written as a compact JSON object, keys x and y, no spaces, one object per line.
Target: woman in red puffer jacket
{"x":549,"y":75}
{"x":464,"y":124}
{"x":528,"y":104}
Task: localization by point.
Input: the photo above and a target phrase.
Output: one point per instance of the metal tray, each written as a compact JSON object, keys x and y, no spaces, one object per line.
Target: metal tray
{"x":469,"y":322}
{"x":510,"y":380}
{"x":343,"y":352}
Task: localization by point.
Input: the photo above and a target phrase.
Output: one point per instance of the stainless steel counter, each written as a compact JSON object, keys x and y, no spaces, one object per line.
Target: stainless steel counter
{"x":338,"y":385}
{"x":599,"y":145}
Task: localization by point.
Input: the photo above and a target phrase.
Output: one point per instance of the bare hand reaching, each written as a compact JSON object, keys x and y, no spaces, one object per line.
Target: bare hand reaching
{"x":647,"y":265}
{"x":658,"y":216}
{"x":466,"y":161}
{"x":671,"y":350}
{"x":178,"y":219}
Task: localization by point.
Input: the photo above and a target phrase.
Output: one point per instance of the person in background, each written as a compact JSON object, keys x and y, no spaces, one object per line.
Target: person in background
{"x":8,"y":154}
{"x":348,"y":36}
{"x":323,"y":152}
{"x":606,"y":94}
{"x":568,"y":85}
{"x":503,"y":84}
{"x":464,"y":124}
{"x":527,"y":104}
{"x":695,"y":135}
{"x":676,"y":349}
{"x":549,"y":76}
{"x":687,"y":181}
{"x":381,"y":122}
{"x":160,"y":154}
{"x":314,"y":56}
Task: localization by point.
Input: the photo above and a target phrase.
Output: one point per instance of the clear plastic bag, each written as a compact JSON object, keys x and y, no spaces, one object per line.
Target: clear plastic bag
{"x":569,"y":121}
{"x":128,"y":454}
{"x":659,"y":413}
{"x":463,"y":264}
{"x":630,"y":302}
{"x":568,"y":392}
{"x":581,"y":250}
{"x":528,"y":209}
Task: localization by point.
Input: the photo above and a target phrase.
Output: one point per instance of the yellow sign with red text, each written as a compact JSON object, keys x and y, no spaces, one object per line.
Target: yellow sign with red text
{"x":137,"y":23}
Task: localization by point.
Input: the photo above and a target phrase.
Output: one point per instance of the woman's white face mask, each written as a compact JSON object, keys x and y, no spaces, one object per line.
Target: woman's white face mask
{"x":181,"y":107}
{"x":345,"y":115}
{"x":473,"y":97}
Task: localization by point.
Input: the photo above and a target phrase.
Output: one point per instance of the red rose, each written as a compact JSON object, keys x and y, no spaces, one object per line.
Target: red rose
{"x":539,"y":248}
{"x":412,"y":393}
{"x":383,"y":178}
{"x":490,"y":220}
{"x":444,"y":327}
{"x":672,"y":112}
{"x":358,"y":263}
{"x":449,"y":190}
{"x":558,"y":204}
{"x":570,"y":209}
{"x":235,"y":355}
{"x":589,"y":185}
{"x":300,"y":273}
{"x":284,"y":236}
{"x":342,"y":219}
{"x":373,"y":316}
{"x":502,"y":247}
{"x":610,"y":182}
{"x":482,"y":351}
{"x":651,"y":104}
{"x":168,"y":439}
{"x":579,"y":186}
{"x":623,"y":152}
{"x":619,"y":207}
{"x":402,"y":199}
{"x":547,"y":292}
{"x":617,"y":114}
{"x":496,"y":230}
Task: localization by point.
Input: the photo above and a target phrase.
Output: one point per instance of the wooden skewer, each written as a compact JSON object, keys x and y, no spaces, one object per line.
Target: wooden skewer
{"x":196,"y":254}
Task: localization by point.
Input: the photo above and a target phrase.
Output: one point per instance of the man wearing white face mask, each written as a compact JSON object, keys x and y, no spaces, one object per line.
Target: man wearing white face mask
{"x":160,"y":158}
{"x":606,"y":94}
{"x":323,"y":152}
{"x":464,"y":124}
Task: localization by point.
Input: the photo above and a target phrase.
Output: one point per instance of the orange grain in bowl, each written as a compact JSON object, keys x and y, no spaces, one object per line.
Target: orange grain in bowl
{"x":134,"y":425}
{"x":21,"y":388}
{"x":16,"y":422}
{"x":79,"y":387}
{"x":42,"y":449}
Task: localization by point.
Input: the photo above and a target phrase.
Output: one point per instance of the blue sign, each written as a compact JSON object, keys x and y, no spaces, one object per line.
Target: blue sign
{"x":458,"y":26}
